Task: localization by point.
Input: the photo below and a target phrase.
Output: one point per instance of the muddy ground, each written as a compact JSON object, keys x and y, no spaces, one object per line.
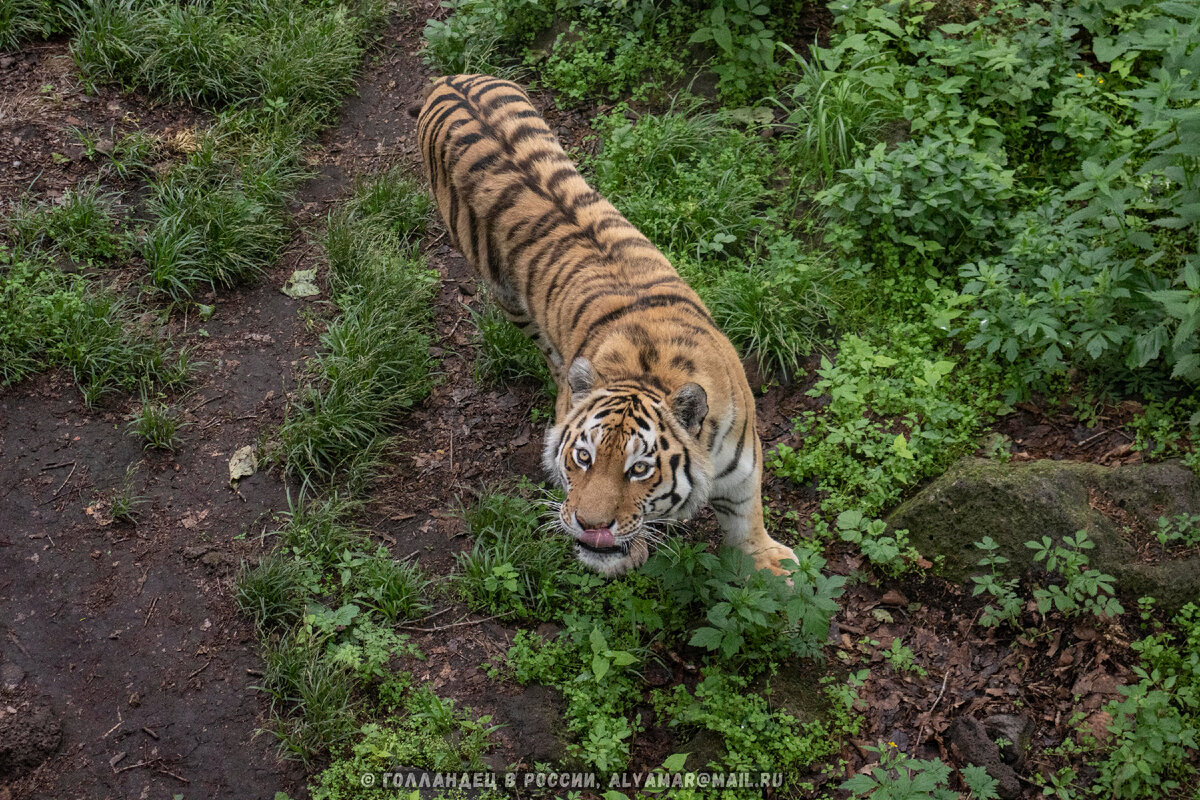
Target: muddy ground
{"x":127,"y":633}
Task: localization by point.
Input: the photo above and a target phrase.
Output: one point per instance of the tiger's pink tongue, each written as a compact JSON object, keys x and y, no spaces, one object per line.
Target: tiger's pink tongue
{"x":601,"y":537}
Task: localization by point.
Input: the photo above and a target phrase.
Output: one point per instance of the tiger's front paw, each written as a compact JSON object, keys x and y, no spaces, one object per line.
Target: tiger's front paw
{"x":772,"y":557}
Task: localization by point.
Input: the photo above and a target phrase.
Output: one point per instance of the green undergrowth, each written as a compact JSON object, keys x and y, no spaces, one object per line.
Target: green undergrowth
{"x":219,"y":218}
{"x":374,"y":361}
{"x":50,"y":318}
{"x":25,"y":20}
{"x":503,"y":354}
{"x":734,"y":619}
{"x":274,"y":72}
{"x":288,"y":57}
{"x":899,"y":411}
{"x":326,"y":604}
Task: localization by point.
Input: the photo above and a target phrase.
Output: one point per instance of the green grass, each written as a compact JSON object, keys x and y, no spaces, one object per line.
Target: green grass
{"x":516,"y":565}
{"x":49,"y":318}
{"x":82,"y":228}
{"x":295,"y":59}
{"x":23,"y":20}
{"x":504,"y":354}
{"x":124,"y":501}
{"x":374,"y":361}
{"x":156,"y":424}
{"x":219,"y":217}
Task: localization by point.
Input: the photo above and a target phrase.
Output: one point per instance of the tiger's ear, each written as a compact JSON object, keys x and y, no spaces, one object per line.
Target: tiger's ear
{"x":690,"y":404}
{"x":581,"y":377}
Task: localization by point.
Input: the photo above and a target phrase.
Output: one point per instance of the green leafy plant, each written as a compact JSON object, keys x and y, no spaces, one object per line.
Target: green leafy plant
{"x":897,"y":413}
{"x":1002,"y":591}
{"x":157,"y":425}
{"x":891,"y":553}
{"x":1084,"y":590}
{"x":751,"y":612}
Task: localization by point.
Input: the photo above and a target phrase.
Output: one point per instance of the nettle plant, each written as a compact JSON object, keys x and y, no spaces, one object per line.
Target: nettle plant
{"x":1083,"y":590}
{"x":897,"y":413}
{"x":749,"y":612}
{"x":1006,"y":604}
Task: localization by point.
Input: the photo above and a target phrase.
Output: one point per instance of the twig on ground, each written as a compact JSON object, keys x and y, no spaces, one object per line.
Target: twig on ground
{"x":932,"y":708}
{"x":437,"y":628}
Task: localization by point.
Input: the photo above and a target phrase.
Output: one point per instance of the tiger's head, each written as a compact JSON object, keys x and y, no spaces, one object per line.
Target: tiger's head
{"x":626,"y":456}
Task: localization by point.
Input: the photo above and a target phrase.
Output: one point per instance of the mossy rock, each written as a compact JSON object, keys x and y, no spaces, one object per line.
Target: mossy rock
{"x":1019,"y":502}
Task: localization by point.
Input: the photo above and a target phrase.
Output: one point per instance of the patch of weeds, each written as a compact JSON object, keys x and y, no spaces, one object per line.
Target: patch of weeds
{"x":157,"y":425}
{"x":318,"y":530}
{"x":755,"y":737}
{"x":125,"y":501}
{"x":51,"y":318}
{"x":834,"y":114}
{"x":751,"y":613}
{"x":273,"y":592}
{"x":1182,"y":530}
{"x":901,"y":658}
{"x":1005,"y":604}
{"x":22,"y":20}
{"x":292,"y":58}
{"x":606,"y":55}
{"x":219,"y":218}
{"x":446,"y":739}
{"x":133,"y":154}
{"x":484,"y":35}
{"x":1084,"y":590}
{"x":1156,"y":724}
{"x":898,"y":776}
{"x":503,"y":354}
{"x":312,"y":697}
{"x":374,"y":363}
{"x":595,"y":666}
{"x":394,"y":589}
{"x":1168,"y":428}
{"x":898,"y":412}
{"x":516,"y":565}
{"x":83,"y":227}
{"x":890,"y":552}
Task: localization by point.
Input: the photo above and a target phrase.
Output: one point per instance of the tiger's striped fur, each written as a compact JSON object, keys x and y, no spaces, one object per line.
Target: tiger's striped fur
{"x":654,"y":414}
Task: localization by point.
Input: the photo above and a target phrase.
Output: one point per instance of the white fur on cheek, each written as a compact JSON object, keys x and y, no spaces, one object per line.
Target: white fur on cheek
{"x":550,"y":460}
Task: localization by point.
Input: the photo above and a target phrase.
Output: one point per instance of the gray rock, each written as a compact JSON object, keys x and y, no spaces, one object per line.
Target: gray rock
{"x":970,"y":744}
{"x":1017,"y":729}
{"x":11,"y":675}
{"x":27,"y":739}
{"x":1016,"y":503}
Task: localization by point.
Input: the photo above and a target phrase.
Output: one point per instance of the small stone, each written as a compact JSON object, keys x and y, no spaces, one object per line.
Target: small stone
{"x":1016,"y":729}
{"x":11,"y":675}
{"x":970,"y":744}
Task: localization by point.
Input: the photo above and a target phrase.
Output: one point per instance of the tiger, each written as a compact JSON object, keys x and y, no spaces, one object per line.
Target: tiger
{"x":654,"y":416}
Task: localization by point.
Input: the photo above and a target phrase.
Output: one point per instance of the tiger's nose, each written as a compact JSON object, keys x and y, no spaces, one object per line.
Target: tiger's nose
{"x":589,"y":525}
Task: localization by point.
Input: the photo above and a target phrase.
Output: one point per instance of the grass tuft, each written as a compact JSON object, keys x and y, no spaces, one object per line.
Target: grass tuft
{"x":83,"y":227}
{"x":503,"y":354}
{"x":374,"y":364}
{"x":157,"y":425}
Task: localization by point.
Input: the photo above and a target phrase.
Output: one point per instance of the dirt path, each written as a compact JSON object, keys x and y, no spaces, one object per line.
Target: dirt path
{"x":127,"y":634}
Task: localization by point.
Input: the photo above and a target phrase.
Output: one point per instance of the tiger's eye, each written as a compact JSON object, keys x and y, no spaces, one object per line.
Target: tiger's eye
{"x":583,"y":458}
{"x":639,"y":470}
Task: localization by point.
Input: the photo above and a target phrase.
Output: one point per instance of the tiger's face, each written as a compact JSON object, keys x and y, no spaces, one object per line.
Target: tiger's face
{"x":626,"y":461}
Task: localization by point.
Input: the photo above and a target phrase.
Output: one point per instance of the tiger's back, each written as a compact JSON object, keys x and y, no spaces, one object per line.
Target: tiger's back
{"x":608,"y":310}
